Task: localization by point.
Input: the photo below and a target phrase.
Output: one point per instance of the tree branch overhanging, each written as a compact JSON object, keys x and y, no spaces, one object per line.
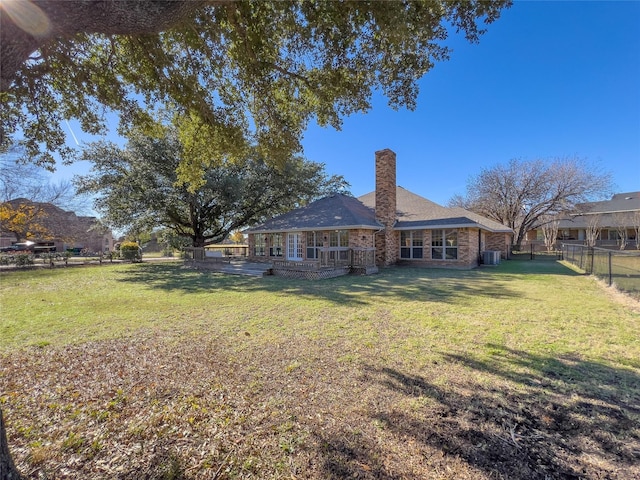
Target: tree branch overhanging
{"x":66,"y":18}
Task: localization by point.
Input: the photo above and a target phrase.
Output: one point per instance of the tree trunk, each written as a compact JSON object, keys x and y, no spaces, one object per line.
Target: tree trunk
{"x":198,"y":241}
{"x":8,"y":469}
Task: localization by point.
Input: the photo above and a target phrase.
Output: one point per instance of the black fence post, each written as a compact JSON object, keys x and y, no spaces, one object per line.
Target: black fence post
{"x":610,"y":270}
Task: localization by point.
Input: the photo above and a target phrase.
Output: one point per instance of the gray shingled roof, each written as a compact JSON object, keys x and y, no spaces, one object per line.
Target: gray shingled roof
{"x":620,"y":202}
{"x":336,"y":211}
{"x":414,"y":211}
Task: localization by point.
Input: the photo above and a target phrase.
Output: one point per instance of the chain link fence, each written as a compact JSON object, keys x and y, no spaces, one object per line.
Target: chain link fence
{"x":616,"y":267}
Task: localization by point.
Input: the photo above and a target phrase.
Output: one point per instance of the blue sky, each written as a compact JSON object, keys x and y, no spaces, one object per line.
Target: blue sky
{"x":547,"y":80}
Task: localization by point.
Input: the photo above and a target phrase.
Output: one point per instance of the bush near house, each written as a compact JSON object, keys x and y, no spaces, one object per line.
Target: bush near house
{"x":131,"y":251}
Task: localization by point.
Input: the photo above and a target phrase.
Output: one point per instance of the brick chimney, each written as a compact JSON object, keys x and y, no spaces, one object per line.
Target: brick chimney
{"x":387,"y":242}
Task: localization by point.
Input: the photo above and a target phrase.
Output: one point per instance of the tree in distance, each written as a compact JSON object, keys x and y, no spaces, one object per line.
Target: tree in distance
{"x":25,"y":194}
{"x":523,"y":192}
{"x":266,"y":67}
{"x":138,"y":188}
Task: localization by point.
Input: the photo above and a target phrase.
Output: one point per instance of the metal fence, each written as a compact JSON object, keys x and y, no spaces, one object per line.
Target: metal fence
{"x":617,"y":267}
{"x":538,"y":251}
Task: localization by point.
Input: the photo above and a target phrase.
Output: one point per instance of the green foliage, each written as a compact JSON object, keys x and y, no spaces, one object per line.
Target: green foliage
{"x":23,"y":259}
{"x":237,"y":237}
{"x":130,"y":251}
{"x":249,"y":72}
{"x":139,"y":189}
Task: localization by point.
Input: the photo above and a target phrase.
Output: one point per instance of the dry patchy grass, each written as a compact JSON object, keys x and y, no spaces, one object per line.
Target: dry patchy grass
{"x":405,"y":375}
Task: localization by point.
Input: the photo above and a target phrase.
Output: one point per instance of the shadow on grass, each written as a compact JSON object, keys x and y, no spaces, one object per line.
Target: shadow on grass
{"x":563,"y":418}
{"x":176,"y":277}
{"x":403,"y":283}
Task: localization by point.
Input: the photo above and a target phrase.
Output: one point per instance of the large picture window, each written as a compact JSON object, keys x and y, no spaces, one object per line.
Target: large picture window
{"x":444,"y":245}
{"x":411,"y":244}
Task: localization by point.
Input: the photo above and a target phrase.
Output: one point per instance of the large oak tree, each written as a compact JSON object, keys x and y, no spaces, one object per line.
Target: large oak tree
{"x":264,"y":67}
{"x":138,"y":188}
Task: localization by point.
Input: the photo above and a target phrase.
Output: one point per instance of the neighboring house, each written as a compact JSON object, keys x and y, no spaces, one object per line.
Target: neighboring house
{"x":65,"y":229}
{"x":613,"y":219}
{"x":341,"y":234}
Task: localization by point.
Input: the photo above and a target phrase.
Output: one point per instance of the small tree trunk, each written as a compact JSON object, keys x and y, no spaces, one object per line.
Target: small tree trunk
{"x":8,"y":469}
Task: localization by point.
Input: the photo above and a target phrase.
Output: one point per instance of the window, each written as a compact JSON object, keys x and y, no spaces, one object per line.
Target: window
{"x":411,"y":244}
{"x":339,"y":238}
{"x":259,"y":250}
{"x":314,"y":243}
{"x":444,"y":245}
{"x":275,"y":250}
{"x":613,"y":235}
{"x":338,"y":245}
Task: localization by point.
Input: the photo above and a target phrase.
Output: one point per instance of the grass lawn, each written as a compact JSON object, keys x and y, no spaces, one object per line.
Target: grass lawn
{"x":152,"y":371}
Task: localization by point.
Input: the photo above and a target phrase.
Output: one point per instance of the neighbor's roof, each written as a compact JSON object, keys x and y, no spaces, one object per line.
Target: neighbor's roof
{"x":608,"y":211}
{"x":333,"y":212}
{"x":620,"y":202}
{"x":414,"y":211}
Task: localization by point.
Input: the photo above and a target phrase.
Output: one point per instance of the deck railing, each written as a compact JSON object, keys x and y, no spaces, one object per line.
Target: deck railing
{"x":333,"y":257}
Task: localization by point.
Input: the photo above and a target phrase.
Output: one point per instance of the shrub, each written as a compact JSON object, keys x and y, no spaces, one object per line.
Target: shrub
{"x":23,"y":259}
{"x":130,"y":251}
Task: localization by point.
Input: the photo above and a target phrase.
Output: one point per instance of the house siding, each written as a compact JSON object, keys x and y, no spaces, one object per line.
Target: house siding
{"x":499,"y":241}
{"x":361,"y":238}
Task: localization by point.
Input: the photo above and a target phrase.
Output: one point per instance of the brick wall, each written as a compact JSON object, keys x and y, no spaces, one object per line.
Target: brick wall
{"x":499,"y":241}
{"x":361,"y":238}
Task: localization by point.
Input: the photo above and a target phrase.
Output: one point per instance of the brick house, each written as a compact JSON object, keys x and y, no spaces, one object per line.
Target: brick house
{"x":390,"y":226}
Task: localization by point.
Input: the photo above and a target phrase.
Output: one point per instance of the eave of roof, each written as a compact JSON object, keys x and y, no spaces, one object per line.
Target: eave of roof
{"x":312,"y":229}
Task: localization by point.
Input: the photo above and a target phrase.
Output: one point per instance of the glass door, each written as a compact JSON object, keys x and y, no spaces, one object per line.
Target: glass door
{"x":295,"y":244}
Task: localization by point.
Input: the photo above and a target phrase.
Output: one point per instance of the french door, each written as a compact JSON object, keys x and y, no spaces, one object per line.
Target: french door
{"x":295,"y":245}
